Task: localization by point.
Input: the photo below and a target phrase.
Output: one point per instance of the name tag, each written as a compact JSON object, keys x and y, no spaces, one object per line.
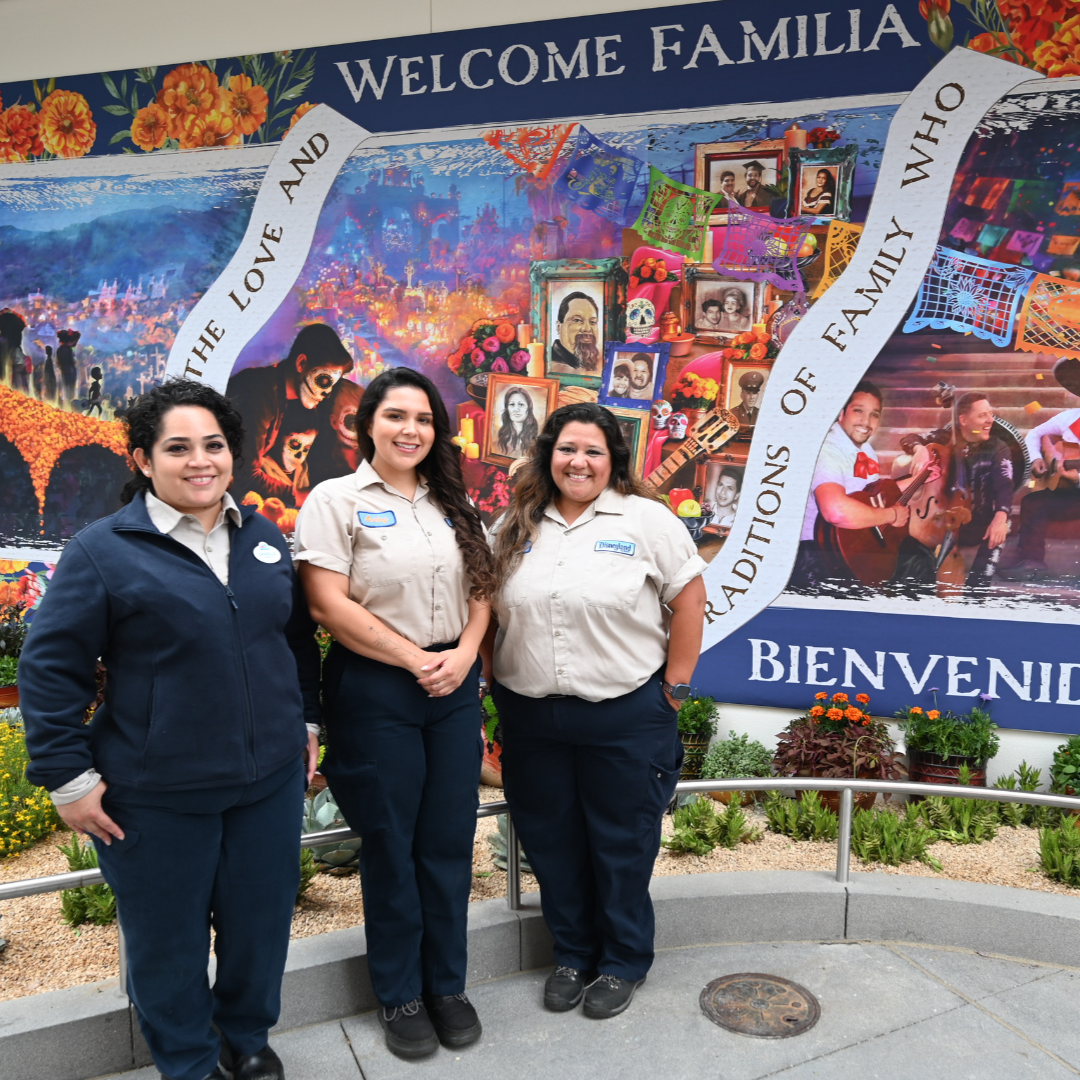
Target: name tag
{"x":266,"y":553}
{"x":616,"y":547}
{"x":377,"y":521}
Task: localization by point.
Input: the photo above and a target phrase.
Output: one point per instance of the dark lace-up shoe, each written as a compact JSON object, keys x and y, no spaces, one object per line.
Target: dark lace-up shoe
{"x":455,"y":1020}
{"x":564,"y":989}
{"x":609,"y":996}
{"x":409,"y":1032}
{"x":264,"y":1064}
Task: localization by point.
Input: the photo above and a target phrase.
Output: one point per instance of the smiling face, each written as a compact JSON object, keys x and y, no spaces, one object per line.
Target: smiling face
{"x":640,"y":375}
{"x":402,"y":430}
{"x":860,"y":419}
{"x":731,"y":303}
{"x":727,"y":185}
{"x":726,"y":492}
{"x":751,"y":396}
{"x":822,"y":178}
{"x":580,"y":464}
{"x":753,"y":178}
{"x":975,"y":424}
{"x":579,"y":328}
{"x":190,"y":464}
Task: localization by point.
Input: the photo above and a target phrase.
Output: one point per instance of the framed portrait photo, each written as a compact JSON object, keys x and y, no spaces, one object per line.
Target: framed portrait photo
{"x":742,"y":385}
{"x":634,"y":424}
{"x":517,"y":408}
{"x":578,"y":306}
{"x":820,"y":182}
{"x":634,"y":374}
{"x":717,"y":308}
{"x":747,"y":172}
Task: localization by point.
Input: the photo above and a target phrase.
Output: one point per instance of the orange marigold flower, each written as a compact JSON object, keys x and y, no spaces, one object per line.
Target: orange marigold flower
{"x":209,"y":129}
{"x":188,"y":90}
{"x":1059,"y":55}
{"x":246,"y":103}
{"x":817,"y":710}
{"x":839,"y":697}
{"x":505,"y":332}
{"x":303,"y":110}
{"x":758,"y":351}
{"x":985,"y":43}
{"x":915,"y":709}
{"x":853,"y":714}
{"x":933,"y":714}
{"x":746,"y":338}
{"x":835,"y":714}
{"x":150,"y":128}
{"x":763,"y":337}
{"x":820,"y":695}
{"x":20,"y":134}
{"x":67,"y":124}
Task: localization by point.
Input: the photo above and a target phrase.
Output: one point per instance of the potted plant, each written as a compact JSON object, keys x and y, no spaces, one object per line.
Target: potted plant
{"x":733,"y":758}
{"x":12,"y":635}
{"x":939,"y":744}
{"x":694,"y":394}
{"x":697,"y":725}
{"x":837,"y":738}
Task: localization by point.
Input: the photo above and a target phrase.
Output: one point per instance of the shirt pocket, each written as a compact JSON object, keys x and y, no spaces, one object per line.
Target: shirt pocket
{"x":387,"y":556}
{"x":612,"y":582}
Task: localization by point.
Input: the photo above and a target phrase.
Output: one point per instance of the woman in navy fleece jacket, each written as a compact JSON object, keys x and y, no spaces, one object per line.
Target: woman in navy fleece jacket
{"x":190,"y":775}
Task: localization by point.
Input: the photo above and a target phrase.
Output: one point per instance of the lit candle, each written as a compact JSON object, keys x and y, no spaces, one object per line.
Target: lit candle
{"x":795,"y":136}
{"x":472,"y":451}
{"x":468,"y":431}
{"x":524,"y":334}
{"x":759,"y":328}
{"x":460,"y":441}
{"x":535,"y":369}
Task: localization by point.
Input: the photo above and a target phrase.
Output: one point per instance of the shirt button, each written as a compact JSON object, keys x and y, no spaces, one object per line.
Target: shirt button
{"x":429,"y":534}
{"x":559,"y":563}
{"x":438,"y":569}
{"x":438,"y":607}
{"x":209,"y":547}
{"x":554,"y":596}
{"x":559,"y":671}
{"x":558,"y":633}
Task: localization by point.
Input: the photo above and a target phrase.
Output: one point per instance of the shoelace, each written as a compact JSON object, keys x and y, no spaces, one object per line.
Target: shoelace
{"x":410,"y":1008}
{"x":567,"y":972}
{"x":610,"y":981}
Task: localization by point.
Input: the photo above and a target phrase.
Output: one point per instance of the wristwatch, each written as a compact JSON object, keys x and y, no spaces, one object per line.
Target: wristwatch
{"x":680,"y":691}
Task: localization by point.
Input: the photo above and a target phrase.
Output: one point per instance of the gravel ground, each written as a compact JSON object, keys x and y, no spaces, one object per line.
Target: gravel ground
{"x":45,"y":954}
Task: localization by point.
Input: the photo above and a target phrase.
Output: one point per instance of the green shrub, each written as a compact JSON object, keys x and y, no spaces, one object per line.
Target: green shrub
{"x":948,"y":735}
{"x":26,"y":812}
{"x":802,"y":819}
{"x":94,"y":904}
{"x":736,"y":757}
{"x":9,"y":670}
{"x":699,"y":828}
{"x":490,"y":716}
{"x":1059,"y":853}
{"x":960,"y":821}
{"x":891,"y":838}
{"x":1016,"y":814}
{"x":1065,"y":771}
{"x":12,"y":631}
{"x":698,"y":716}
{"x":308,"y":869}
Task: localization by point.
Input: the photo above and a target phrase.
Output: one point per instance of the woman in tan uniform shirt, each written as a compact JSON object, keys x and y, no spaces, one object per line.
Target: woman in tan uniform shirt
{"x":396,"y":566}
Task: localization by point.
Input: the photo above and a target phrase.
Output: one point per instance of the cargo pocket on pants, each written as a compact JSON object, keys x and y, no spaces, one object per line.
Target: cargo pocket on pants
{"x":662,"y":781}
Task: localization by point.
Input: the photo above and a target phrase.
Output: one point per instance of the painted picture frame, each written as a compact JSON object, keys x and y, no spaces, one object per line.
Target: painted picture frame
{"x":712,"y":161}
{"x":635,"y":428}
{"x":634,"y":374}
{"x":742,"y":385}
{"x":517,"y":409}
{"x":578,"y":306}
{"x":716,"y":308}
{"x":820,"y":182}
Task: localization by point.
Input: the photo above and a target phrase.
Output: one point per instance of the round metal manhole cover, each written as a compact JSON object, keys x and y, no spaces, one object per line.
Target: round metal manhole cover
{"x":762,"y":1005}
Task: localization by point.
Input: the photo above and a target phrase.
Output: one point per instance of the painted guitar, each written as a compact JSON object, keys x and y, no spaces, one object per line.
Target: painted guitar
{"x":711,"y":431}
{"x":1055,"y":472}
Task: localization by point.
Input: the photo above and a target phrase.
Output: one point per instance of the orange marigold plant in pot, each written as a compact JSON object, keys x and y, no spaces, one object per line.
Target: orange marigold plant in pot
{"x":837,"y":738}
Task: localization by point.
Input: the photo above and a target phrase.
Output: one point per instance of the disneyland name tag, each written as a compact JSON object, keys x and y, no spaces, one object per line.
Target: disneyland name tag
{"x":266,"y":553}
{"x":377,"y":521}
{"x":616,"y":547}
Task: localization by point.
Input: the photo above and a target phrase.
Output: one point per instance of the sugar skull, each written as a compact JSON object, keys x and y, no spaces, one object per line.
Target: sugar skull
{"x":661,"y":413}
{"x":640,"y":316}
{"x":678,"y":424}
{"x":343,"y":414}
{"x":295,"y":451}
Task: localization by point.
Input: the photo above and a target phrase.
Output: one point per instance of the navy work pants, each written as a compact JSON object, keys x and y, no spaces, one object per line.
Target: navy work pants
{"x":222,"y":857}
{"x":587,"y":783}
{"x":404,"y":769}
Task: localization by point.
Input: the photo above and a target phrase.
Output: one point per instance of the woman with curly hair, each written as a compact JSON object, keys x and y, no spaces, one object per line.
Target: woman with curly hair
{"x":190,"y":777}
{"x":396,"y":566}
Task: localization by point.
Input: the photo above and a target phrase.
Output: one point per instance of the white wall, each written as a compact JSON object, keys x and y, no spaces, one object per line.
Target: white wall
{"x":71,"y":37}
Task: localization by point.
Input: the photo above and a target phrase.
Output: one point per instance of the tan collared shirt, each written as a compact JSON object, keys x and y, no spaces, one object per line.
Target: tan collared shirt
{"x":586,"y":611}
{"x":401,"y":556}
{"x":213,"y":546}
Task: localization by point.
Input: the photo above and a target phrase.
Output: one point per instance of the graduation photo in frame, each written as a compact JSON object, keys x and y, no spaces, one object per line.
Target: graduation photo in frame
{"x":718,"y":307}
{"x":634,"y":373}
{"x":634,"y":424}
{"x":820,"y":182}
{"x":517,"y":409}
{"x":747,"y":172}
{"x":578,"y":306}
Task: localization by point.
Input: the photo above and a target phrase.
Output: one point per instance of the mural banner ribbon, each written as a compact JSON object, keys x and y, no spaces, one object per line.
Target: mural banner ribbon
{"x":273,"y":251}
{"x":835,"y":342}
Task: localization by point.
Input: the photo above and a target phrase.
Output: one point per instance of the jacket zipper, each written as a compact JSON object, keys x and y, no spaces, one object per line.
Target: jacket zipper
{"x":242,"y":664}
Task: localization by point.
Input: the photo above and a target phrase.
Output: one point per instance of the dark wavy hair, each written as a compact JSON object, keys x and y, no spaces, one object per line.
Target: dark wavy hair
{"x":529,"y":429}
{"x":536,"y":487}
{"x":145,"y":417}
{"x":441,"y":469}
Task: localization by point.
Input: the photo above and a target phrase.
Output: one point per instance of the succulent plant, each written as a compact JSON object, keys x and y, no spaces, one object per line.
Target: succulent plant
{"x":321,"y":812}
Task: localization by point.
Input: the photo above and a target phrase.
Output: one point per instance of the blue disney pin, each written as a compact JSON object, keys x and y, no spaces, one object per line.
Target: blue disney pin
{"x":381,"y":520}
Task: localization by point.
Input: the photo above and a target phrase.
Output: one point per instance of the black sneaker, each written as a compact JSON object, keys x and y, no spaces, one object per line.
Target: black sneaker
{"x":564,"y":989}
{"x":455,"y":1020}
{"x":609,"y":996}
{"x":409,"y":1032}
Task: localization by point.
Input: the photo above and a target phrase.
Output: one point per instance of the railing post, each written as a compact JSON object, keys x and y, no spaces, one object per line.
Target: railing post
{"x":843,"y":841}
{"x":122,"y":946}
{"x":513,"y":867}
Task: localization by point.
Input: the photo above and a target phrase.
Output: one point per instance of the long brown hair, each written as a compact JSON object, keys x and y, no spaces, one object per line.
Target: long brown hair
{"x":536,"y":488}
{"x":442,"y":471}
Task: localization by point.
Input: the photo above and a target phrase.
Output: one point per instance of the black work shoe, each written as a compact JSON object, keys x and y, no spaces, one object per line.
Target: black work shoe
{"x":564,"y":989}
{"x":455,"y":1020}
{"x":409,"y":1032}
{"x":262,"y":1065}
{"x":609,"y":996}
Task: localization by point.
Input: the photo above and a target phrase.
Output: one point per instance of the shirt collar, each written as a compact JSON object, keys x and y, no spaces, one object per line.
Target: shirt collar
{"x":609,"y":501}
{"x":166,"y":517}
{"x":366,"y":476}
